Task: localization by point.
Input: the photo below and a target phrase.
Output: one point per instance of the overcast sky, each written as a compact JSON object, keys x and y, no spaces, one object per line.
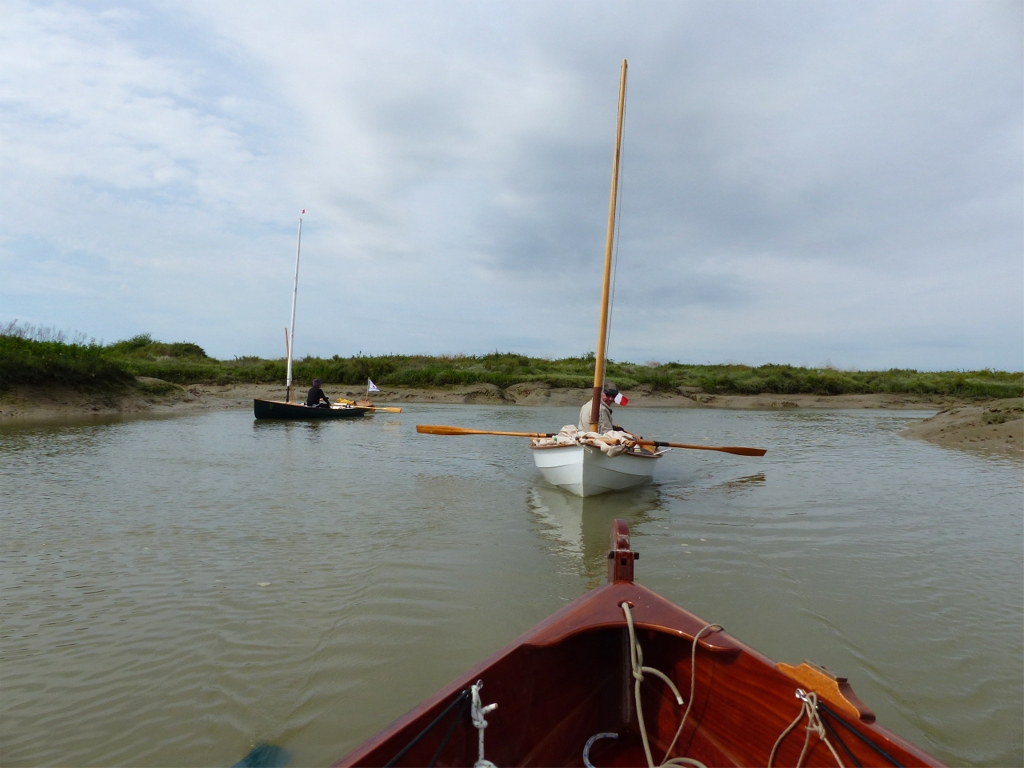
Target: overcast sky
{"x":804,"y":182}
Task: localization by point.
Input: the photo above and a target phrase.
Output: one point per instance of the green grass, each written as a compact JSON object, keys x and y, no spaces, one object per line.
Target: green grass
{"x":31,"y":355}
{"x":52,"y":360}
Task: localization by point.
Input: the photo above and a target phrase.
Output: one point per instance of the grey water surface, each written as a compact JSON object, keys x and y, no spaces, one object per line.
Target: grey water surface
{"x":177,"y":590}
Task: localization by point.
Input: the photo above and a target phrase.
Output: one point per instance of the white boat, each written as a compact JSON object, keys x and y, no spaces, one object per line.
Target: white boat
{"x":583,"y":461}
{"x":586,"y":471}
{"x":583,"y":469}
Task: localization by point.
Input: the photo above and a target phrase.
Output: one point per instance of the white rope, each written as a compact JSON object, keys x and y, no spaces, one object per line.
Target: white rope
{"x":476,"y":713}
{"x":809,"y":708}
{"x":636,"y":658}
{"x":693,"y":682}
{"x":814,"y":725}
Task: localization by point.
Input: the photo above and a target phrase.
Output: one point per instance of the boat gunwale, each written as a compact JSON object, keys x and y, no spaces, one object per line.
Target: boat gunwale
{"x":657,"y":455}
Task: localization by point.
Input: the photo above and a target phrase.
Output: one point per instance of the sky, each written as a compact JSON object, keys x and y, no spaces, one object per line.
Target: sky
{"x":803,"y":182}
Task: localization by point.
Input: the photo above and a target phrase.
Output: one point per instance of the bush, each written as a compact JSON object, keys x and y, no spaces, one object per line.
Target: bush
{"x":83,"y":366}
{"x":33,"y":355}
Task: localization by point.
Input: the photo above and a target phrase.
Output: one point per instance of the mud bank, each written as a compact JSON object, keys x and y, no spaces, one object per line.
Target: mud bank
{"x":994,"y":425}
{"x":154,"y":395}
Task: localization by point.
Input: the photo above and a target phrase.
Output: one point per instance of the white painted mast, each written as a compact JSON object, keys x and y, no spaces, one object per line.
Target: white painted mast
{"x":295,"y":293}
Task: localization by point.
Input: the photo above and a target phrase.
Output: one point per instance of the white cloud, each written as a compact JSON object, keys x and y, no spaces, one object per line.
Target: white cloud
{"x":802,"y":182}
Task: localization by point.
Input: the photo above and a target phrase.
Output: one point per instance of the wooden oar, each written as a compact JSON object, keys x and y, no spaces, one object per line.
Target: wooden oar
{"x":436,"y":429}
{"x":339,"y":401}
{"x":739,"y":450}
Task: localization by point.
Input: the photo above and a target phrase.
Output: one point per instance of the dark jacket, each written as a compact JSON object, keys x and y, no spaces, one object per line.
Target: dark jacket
{"x":315,"y":396}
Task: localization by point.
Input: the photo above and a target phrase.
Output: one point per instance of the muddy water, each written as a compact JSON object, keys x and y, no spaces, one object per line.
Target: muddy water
{"x":175,"y":591}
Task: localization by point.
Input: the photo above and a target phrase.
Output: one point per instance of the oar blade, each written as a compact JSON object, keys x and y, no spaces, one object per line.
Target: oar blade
{"x":741,"y":451}
{"x":440,"y":429}
{"x":738,"y":450}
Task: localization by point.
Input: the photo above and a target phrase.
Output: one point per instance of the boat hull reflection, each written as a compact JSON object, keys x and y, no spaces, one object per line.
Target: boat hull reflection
{"x":578,"y":528}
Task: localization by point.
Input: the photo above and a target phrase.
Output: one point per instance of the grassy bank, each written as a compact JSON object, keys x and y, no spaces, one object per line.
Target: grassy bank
{"x":80,"y":364}
{"x":38,"y":356}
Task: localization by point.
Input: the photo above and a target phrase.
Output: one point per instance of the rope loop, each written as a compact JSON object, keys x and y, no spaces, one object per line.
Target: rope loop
{"x":810,"y":709}
{"x":636,"y":658}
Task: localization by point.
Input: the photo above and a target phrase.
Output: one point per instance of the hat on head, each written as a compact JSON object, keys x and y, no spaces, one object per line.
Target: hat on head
{"x":316,"y":382}
{"x":612,"y":392}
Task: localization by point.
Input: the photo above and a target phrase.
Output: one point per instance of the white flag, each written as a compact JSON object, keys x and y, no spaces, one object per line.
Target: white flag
{"x":370,"y":386}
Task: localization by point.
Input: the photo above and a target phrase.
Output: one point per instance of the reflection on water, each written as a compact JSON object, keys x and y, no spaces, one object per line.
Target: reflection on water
{"x":178,"y":590}
{"x":580,"y":528}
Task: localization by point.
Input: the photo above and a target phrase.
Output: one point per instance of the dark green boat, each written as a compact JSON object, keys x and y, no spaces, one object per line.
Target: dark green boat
{"x":277,"y":409}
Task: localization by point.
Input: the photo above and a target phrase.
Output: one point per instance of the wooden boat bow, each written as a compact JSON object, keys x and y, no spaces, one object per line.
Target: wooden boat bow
{"x":566,"y":684}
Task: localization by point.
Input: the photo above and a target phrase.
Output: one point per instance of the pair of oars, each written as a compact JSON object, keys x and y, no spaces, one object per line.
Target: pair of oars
{"x":437,"y":429}
{"x":384,"y":408}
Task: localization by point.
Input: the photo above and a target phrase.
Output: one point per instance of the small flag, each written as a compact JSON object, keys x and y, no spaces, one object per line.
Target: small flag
{"x":621,"y":399}
{"x":370,"y":386}
{"x":303,"y":212}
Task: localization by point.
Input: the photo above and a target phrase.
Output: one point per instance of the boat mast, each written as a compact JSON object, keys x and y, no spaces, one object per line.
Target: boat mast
{"x":602,"y":335}
{"x":295,"y":293}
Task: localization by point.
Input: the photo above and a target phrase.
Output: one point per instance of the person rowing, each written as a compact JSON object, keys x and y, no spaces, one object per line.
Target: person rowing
{"x":316,"y":398}
{"x":610,"y":396}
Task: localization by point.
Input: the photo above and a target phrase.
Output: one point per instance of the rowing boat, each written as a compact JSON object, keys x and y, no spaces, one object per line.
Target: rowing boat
{"x":586,"y":462}
{"x":288,"y":408}
{"x":586,"y":471}
{"x":582,"y":469}
{"x":278,"y":409}
{"x":621,"y":676}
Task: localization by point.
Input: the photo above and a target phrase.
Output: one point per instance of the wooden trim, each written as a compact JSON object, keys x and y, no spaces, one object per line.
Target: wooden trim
{"x":830,"y":687}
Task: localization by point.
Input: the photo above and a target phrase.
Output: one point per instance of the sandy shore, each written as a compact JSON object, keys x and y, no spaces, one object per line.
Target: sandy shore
{"x":994,"y":425}
{"x":990,"y":425}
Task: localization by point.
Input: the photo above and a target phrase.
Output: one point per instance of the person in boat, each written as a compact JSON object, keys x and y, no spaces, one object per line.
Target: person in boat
{"x":609,"y":396}
{"x":316,"y":398}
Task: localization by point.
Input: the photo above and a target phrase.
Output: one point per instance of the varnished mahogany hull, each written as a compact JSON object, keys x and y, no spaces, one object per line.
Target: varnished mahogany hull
{"x":569,"y":678}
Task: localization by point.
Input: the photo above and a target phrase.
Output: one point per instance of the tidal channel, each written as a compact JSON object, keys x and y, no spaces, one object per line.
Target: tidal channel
{"x":177,"y":590}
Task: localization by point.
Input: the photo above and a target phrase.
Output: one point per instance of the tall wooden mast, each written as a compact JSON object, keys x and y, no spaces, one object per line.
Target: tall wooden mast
{"x":295,"y":293}
{"x":602,"y":335}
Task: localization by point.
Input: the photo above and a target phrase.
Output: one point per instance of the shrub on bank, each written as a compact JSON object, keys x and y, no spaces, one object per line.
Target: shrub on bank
{"x":83,"y":366}
{"x":30,"y":355}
